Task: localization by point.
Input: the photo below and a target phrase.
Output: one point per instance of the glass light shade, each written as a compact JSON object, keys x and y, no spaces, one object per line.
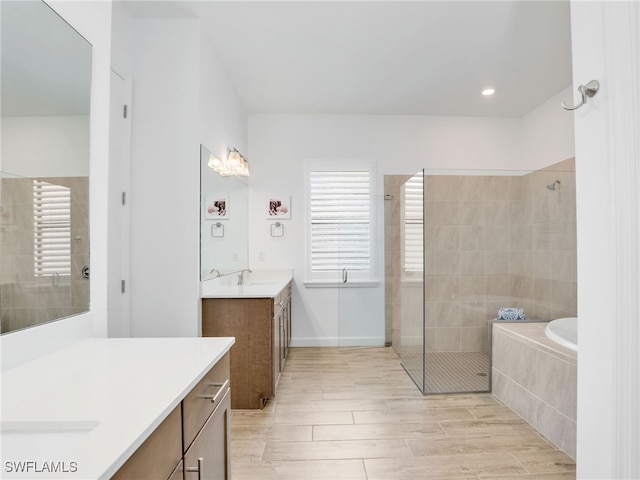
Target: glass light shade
{"x":234,"y":160}
{"x":235,"y":164}
{"x":214,"y":162}
{"x":243,"y":170}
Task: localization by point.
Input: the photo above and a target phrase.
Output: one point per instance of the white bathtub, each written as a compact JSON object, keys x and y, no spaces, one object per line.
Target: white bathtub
{"x":564,"y":331}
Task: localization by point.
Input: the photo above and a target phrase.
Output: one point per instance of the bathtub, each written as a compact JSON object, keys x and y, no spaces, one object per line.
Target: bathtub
{"x":564,"y":331}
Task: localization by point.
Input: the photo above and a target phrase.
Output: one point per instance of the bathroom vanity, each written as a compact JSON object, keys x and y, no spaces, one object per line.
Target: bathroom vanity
{"x":120,"y":408}
{"x":258,"y":315}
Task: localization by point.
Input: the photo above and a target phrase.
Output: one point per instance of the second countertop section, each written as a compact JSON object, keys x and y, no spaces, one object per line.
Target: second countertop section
{"x":257,"y":284}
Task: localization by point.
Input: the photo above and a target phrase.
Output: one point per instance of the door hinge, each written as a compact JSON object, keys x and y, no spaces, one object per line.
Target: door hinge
{"x":125,"y":111}
{"x":124,"y":198}
{"x":122,"y":286}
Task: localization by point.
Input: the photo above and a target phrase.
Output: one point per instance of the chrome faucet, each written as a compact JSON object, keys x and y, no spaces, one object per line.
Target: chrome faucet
{"x":241,"y":276}
{"x":218,"y":274}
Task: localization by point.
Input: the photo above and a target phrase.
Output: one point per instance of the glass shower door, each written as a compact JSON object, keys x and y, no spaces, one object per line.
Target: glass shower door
{"x":360,"y":304}
{"x":412,"y":285}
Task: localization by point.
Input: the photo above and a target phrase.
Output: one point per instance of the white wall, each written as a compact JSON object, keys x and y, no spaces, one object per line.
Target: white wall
{"x":92,"y":19}
{"x":181,"y":97}
{"x":547,"y":133}
{"x":164,"y":178}
{"x":279,"y":145}
{"x":222,"y":125}
{"x":53,"y":146}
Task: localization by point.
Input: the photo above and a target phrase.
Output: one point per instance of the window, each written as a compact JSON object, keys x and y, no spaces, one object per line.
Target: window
{"x":51,"y":229}
{"x":412,"y":214}
{"x":340,"y":221}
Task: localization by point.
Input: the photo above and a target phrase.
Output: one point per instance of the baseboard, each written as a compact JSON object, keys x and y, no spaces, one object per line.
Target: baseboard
{"x":337,"y":342}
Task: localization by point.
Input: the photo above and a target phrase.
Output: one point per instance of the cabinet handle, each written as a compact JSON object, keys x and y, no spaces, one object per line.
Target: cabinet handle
{"x":344,"y":275}
{"x":221,"y":391}
{"x":199,"y":468}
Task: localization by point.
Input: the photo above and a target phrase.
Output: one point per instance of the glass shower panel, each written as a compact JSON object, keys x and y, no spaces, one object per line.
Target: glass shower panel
{"x":360,"y":304}
{"x":461,"y":220}
{"x":490,"y":239}
{"x":412,"y":305}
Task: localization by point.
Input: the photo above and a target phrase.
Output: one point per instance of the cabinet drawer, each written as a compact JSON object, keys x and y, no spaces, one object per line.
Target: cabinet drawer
{"x":158,"y":456}
{"x":203,"y":399}
{"x":281,"y":298}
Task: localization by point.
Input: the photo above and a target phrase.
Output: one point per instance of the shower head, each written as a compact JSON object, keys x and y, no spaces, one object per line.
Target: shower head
{"x":552,"y":186}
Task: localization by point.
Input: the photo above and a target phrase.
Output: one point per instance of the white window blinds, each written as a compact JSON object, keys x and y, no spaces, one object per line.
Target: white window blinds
{"x":413,"y":235}
{"x":51,"y":229}
{"x":340,"y":222}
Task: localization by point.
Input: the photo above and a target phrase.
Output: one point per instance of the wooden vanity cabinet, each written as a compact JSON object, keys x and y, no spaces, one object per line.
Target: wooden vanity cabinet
{"x":206,"y":426}
{"x":262,"y":329}
{"x":160,"y":453}
{"x":178,"y":473}
{"x":209,"y":457}
{"x":194,"y":441}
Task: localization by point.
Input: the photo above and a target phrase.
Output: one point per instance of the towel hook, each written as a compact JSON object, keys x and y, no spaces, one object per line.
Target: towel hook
{"x":586,"y":91}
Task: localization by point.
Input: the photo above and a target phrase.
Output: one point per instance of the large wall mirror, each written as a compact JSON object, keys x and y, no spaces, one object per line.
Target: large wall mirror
{"x":224,"y":221}
{"x":44,"y":167}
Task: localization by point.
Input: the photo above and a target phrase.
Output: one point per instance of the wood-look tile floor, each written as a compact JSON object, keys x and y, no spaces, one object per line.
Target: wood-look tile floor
{"x":355,"y":415}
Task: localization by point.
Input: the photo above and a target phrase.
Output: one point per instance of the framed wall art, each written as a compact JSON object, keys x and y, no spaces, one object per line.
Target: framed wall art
{"x":278,"y":206}
{"x":216,"y":207}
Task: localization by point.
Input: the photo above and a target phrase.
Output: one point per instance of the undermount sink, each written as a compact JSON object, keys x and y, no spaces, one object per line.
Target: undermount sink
{"x":42,"y":439}
{"x":256,"y":284}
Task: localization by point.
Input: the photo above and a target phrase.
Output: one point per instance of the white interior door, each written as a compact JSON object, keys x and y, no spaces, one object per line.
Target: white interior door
{"x":605,"y":47}
{"x":118,"y":213}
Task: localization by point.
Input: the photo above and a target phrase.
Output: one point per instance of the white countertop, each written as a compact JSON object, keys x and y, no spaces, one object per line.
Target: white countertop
{"x":99,"y":400}
{"x":258,"y":284}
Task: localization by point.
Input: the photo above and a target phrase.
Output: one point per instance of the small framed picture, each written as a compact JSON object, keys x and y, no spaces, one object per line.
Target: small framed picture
{"x":279,"y":206}
{"x":216,"y":207}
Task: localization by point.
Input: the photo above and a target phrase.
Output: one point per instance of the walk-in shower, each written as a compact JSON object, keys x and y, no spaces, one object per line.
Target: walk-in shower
{"x":471,"y":242}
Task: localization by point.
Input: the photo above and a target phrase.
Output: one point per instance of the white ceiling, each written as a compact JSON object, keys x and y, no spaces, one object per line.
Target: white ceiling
{"x":386,"y":57}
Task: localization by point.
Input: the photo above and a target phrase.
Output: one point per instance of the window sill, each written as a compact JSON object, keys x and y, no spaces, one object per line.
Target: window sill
{"x":332,"y":284}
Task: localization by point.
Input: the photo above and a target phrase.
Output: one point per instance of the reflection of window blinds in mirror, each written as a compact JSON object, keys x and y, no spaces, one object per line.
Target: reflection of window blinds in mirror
{"x":413,"y":225}
{"x":51,"y":229}
{"x":340,"y":220}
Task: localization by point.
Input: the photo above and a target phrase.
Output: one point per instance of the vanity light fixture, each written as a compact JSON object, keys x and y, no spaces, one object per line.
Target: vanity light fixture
{"x":235,"y":164}
{"x":488,"y":91}
{"x":215,"y":162}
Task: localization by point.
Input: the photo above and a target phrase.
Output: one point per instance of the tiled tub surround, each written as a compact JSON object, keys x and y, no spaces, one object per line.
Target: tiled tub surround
{"x":537,"y":378}
{"x":491,"y":241}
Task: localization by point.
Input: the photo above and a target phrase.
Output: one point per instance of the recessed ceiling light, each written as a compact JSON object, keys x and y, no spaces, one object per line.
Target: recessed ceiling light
{"x":488,"y":91}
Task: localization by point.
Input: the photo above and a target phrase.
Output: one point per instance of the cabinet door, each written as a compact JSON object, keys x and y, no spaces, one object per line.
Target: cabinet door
{"x":178,"y":473}
{"x":157,"y":457}
{"x":209,"y":457}
{"x":287,"y":326}
{"x":275,"y":351}
{"x":283,"y":337}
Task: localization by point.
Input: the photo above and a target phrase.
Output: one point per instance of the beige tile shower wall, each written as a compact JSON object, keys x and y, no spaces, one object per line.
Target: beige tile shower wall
{"x":490,"y":242}
{"x":24,"y":299}
{"x":393,"y":260}
{"x":542,"y":259}
{"x":467,"y":257}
